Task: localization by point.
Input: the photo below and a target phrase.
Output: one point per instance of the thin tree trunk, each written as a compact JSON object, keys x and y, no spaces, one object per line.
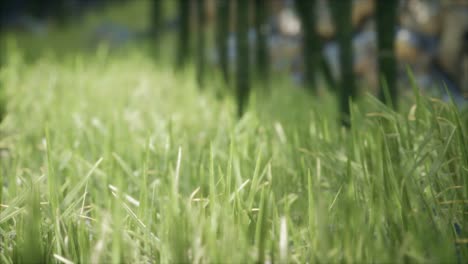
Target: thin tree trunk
{"x":201,"y":42}
{"x":386,"y":18}
{"x":60,"y":11}
{"x":183,"y":45}
{"x":261,"y":23}
{"x":156,"y":19}
{"x":310,"y":42}
{"x":342,"y":15}
{"x":386,"y":14}
{"x":243,"y":67}
{"x":37,"y":8}
{"x":222,"y":30}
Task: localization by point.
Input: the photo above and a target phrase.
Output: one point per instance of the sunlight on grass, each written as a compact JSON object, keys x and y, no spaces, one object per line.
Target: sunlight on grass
{"x":113,"y":159}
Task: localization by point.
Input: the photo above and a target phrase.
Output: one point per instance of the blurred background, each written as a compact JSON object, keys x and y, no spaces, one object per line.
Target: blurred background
{"x":297,"y":38}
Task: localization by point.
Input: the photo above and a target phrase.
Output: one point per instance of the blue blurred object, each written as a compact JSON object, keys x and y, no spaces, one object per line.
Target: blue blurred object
{"x":11,"y":10}
{"x":420,"y":41}
{"x":114,"y":35}
{"x":14,"y":12}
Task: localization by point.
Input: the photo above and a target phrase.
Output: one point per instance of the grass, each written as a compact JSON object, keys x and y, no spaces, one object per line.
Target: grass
{"x":114,"y":158}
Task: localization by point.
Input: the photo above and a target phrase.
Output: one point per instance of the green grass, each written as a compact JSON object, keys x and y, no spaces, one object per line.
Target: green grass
{"x":116,"y":159}
{"x":110,"y":158}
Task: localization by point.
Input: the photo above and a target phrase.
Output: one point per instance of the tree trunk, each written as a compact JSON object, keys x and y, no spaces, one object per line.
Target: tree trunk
{"x":386,"y":14}
{"x":347,"y":89}
{"x":222,"y":31}
{"x":37,"y":8}
{"x":60,"y":11}
{"x":156,"y":19}
{"x":183,"y":45}
{"x":310,"y":42}
{"x":261,"y":23}
{"x":242,"y":44}
{"x":201,"y":15}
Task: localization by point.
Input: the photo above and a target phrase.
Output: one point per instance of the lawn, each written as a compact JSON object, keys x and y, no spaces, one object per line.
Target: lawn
{"x":113,"y":158}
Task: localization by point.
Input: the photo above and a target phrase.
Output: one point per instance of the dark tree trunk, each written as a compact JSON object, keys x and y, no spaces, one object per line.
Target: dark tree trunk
{"x":243,"y":67}
{"x":156,"y":19}
{"x":201,"y":42}
{"x":386,"y":14}
{"x":60,"y":11}
{"x":38,"y":8}
{"x":261,"y":23}
{"x":310,"y":42}
{"x":326,"y":72}
{"x":183,"y":45}
{"x":347,"y":88}
{"x":222,"y":31}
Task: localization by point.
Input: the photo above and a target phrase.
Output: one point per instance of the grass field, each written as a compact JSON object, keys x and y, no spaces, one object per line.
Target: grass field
{"x":117,"y":159}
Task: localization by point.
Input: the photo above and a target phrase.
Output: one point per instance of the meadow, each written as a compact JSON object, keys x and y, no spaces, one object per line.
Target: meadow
{"x":115,"y":158}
